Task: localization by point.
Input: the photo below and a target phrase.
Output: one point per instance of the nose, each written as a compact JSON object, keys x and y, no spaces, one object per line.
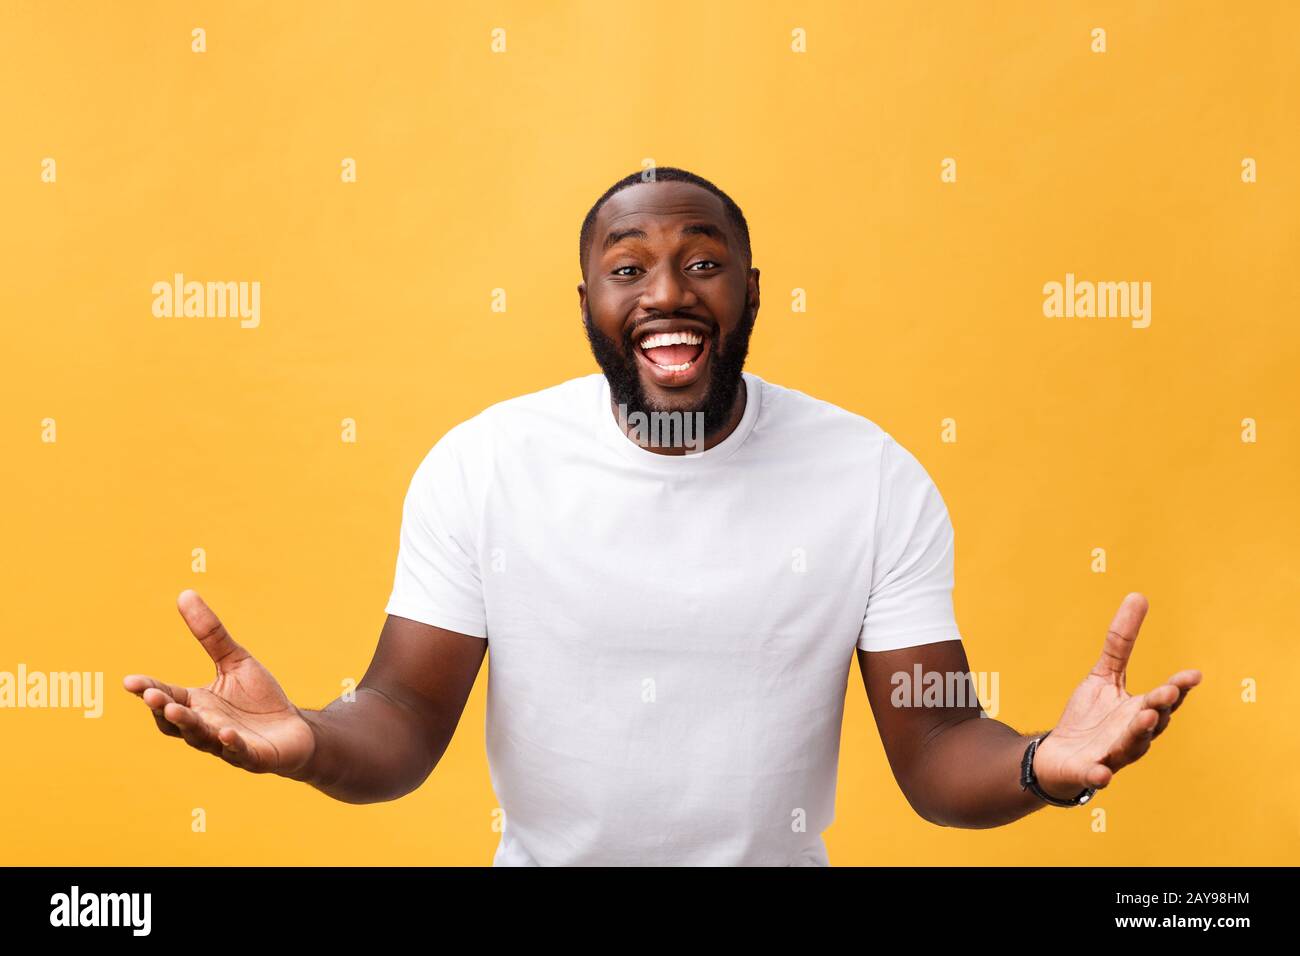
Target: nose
{"x":666,"y":290}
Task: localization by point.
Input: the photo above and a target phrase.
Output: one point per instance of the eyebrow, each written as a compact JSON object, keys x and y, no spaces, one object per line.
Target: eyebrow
{"x":694,"y":229}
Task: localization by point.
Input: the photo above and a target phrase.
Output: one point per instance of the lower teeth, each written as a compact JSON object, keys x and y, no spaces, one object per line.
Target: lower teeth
{"x":676,"y":368}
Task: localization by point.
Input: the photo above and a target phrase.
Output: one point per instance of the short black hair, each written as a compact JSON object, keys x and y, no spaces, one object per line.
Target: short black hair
{"x":663,"y":174}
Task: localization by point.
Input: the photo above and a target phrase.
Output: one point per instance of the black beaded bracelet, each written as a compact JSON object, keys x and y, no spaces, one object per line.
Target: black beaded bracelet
{"x":1029,"y":781}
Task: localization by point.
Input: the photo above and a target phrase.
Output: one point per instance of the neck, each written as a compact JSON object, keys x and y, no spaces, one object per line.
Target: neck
{"x":638,"y":429}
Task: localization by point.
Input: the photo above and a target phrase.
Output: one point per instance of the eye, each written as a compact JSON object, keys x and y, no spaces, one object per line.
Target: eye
{"x":703,"y":262}
{"x":621,"y":268}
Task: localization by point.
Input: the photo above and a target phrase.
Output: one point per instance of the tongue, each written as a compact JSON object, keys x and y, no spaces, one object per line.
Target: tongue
{"x":673,"y":354}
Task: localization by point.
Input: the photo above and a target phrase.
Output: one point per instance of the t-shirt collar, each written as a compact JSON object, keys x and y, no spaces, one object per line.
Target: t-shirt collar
{"x":608,"y":428}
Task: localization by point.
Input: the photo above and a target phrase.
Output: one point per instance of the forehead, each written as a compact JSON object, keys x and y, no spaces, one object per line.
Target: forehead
{"x":659,"y":205}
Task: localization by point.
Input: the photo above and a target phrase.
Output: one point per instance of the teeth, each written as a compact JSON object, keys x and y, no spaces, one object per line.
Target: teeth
{"x":676,"y":368}
{"x":670,"y":338}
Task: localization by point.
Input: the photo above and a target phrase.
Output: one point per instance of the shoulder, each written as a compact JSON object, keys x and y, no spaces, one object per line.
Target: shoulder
{"x":535,"y":418}
{"x":797,"y":418}
{"x":822,"y":430}
{"x":572,"y":398}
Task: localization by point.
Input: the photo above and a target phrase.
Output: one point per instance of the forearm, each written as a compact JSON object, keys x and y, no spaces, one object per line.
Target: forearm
{"x":367,"y":750}
{"x":969,"y":776}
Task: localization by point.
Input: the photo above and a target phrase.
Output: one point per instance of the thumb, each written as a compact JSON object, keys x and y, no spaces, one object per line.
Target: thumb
{"x":1121,"y":637}
{"x":207,"y":627}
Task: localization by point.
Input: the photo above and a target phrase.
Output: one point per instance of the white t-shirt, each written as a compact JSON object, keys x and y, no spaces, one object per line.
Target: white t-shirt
{"x":670,"y":637}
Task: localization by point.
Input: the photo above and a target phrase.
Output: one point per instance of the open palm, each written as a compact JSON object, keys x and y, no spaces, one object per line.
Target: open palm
{"x":1104,"y":727}
{"x":242,"y":716}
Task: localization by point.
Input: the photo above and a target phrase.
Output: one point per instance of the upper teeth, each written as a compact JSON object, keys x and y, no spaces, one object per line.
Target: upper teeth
{"x":670,"y":338}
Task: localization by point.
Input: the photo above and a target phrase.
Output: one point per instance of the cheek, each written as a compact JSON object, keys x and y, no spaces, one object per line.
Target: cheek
{"x":726,"y":306}
{"x":606,"y":311}
{"x":728,"y":315}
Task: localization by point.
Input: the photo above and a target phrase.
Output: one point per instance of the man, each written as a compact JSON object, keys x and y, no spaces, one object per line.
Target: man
{"x":674,"y":563}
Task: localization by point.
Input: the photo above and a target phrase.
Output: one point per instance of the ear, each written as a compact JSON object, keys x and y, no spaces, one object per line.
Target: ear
{"x":753,"y":289}
{"x":582,"y":302}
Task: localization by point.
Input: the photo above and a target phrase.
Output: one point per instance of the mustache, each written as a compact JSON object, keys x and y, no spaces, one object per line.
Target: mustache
{"x":631,"y":332}
{"x":662,"y":316}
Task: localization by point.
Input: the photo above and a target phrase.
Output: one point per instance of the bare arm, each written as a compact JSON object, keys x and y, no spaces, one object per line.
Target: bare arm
{"x":961,"y":770}
{"x":377,"y":747}
{"x":955,"y":768}
{"x":385,"y":743}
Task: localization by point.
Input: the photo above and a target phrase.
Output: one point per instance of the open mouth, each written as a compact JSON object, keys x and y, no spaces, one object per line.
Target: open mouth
{"x":673,"y":357}
{"x":672,"y":351}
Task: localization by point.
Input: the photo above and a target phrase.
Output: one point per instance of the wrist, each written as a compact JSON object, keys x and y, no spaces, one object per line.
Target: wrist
{"x":309,"y":769}
{"x":1057,"y":793}
{"x":1047,"y":785}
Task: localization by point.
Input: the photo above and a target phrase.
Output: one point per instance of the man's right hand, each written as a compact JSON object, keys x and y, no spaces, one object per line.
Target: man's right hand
{"x":243,"y":716}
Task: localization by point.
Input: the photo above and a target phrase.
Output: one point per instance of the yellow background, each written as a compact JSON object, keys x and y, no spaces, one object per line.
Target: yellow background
{"x":474,"y":172}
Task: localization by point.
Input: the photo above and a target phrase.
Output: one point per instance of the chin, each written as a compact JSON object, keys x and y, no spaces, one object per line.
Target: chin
{"x":675,"y":399}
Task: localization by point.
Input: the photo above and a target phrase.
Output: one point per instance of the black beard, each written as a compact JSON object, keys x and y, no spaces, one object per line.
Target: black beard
{"x":725,"y":366}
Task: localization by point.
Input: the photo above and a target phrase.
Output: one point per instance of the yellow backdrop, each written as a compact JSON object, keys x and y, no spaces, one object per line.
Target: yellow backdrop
{"x":920,"y":171}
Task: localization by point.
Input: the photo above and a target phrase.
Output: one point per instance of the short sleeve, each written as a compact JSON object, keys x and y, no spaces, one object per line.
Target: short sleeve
{"x":910,"y":599}
{"x":437,"y":580}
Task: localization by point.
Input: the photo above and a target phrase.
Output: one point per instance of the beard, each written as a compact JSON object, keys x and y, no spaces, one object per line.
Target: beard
{"x":727,"y":361}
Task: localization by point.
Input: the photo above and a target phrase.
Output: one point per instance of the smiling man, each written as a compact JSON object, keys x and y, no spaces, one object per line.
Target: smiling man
{"x":671,"y":623}
{"x":680,"y":359}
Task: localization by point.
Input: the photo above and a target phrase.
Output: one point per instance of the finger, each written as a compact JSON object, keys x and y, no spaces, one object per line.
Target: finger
{"x":232,"y":740}
{"x":235,"y":749}
{"x":1121,"y":636}
{"x":1162,"y":701}
{"x":207,"y":627}
{"x":1162,"y":698}
{"x":1167,"y":715}
{"x":1135,"y":740}
{"x":156,"y":700}
{"x":195,"y":728}
{"x":203,"y":737}
{"x":189,"y":723}
{"x":165,"y":725}
{"x":140,"y":684}
{"x":1184,"y":681}
{"x":1098,"y":776}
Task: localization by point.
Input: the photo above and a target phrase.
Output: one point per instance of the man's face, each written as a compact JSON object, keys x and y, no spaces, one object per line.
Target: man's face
{"x":668,"y":302}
